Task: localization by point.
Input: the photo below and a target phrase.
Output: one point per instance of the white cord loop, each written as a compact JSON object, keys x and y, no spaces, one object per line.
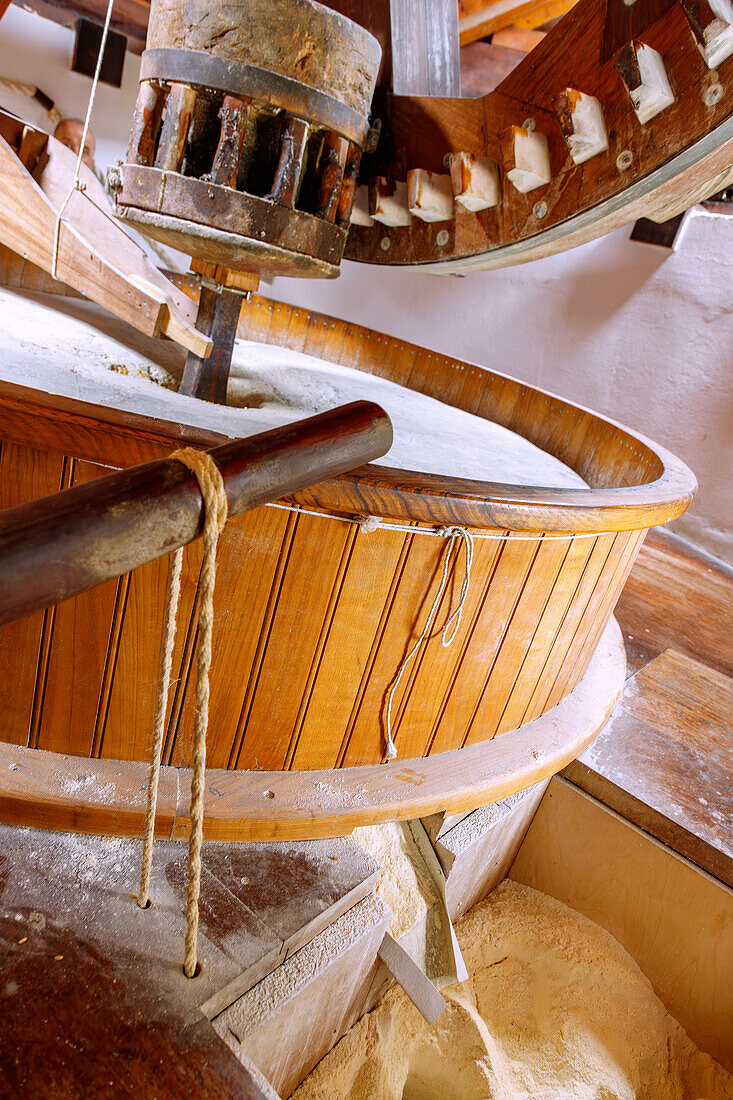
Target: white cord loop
{"x":451,"y":625}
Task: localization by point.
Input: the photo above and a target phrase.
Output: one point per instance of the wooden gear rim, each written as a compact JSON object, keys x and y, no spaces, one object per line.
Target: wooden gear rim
{"x":196,"y":67}
{"x":78,"y":794}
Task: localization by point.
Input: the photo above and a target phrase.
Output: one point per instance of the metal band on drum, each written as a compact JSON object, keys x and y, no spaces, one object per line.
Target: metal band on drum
{"x":196,"y":67}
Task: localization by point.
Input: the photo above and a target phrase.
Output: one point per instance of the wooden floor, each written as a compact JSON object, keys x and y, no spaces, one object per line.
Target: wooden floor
{"x":665,"y":759}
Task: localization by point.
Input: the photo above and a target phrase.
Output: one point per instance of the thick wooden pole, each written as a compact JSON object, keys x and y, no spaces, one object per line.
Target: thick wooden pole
{"x":58,"y":546}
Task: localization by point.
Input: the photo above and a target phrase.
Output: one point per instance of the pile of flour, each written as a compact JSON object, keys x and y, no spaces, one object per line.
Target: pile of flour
{"x":554,"y":1008}
{"x":74,"y":348}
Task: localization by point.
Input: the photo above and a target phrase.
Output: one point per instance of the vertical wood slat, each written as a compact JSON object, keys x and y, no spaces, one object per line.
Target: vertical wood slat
{"x":340,"y":679}
{"x":411,"y":599}
{"x":603,"y":598}
{"x":25,"y":473}
{"x":77,"y":660}
{"x":294,"y":634}
{"x":126,"y":724}
{"x":505,"y":588}
{"x":417,"y":717}
{"x":546,"y":633}
{"x":517,"y":637}
{"x":586,"y":582}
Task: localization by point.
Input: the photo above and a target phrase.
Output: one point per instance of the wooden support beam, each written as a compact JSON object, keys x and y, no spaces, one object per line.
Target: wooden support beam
{"x":177,"y":116}
{"x":425,"y":47}
{"x":334,"y":151}
{"x":290,"y":165}
{"x":58,"y":546}
{"x":233,"y":115}
{"x":507,"y":13}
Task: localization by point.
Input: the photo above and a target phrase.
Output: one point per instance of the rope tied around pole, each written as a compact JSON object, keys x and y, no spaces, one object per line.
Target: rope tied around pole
{"x":207,"y":473}
{"x":451,"y":625}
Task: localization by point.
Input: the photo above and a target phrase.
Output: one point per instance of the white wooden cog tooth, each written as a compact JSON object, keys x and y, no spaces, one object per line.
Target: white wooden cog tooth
{"x":712,"y":26}
{"x":527,"y":159}
{"x":475,"y":181}
{"x":642,"y":70}
{"x":581,"y":120}
{"x":388,"y":202}
{"x":360,"y":210}
{"x":429,"y":195}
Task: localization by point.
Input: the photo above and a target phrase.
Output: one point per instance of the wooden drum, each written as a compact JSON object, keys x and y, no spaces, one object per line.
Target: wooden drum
{"x":315,"y":614}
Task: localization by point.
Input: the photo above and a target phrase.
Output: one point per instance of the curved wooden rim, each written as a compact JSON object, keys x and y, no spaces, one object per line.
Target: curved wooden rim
{"x":662,"y":486}
{"x":76,"y":794}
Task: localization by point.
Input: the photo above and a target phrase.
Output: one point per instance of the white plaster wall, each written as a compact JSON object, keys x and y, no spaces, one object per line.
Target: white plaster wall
{"x":36,"y":51}
{"x":636,"y":332}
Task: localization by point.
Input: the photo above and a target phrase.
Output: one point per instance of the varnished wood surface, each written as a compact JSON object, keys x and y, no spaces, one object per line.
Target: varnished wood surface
{"x":576,"y":53}
{"x":664,"y":760}
{"x":680,"y":598}
{"x":299,"y":592}
{"x":58,"y":546}
{"x":107,"y":796}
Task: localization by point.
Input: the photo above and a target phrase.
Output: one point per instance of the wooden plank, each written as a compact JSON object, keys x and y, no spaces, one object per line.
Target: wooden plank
{"x":601,"y":548}
{"x":297,"y":890}
{"x":256,"y":805}
{"x":675,"y":920}
{"x":77,"y":659}
{"x":485,"y":20}
{"x":558,"y":605}
{"x":436,"y":667}
{"x":290,"y":1021}
{"x":295,"y":635}
{"x":411,"y":595}
{"x":28,"y":226}
{"x":677,"y":596}
{"x":350,"y":649}
{"x":248,"y":569}
{"x":25,"y":473}
{"x":518,"y":640}
{"x":664,"y":761}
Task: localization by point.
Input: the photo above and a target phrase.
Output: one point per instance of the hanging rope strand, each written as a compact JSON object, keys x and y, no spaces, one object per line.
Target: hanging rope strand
{"x":207,"y":473}
{"x":166,"y":662}
{"x":454,"y":534}
{"x":75,"y":183}
{"x":212,"y":489}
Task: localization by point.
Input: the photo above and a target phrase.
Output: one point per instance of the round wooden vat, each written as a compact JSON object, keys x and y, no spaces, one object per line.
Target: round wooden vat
{"x":314,"y":614}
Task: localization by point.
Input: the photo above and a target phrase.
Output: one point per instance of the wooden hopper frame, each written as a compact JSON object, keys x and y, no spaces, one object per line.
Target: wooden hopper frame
{"x":296,"y":731}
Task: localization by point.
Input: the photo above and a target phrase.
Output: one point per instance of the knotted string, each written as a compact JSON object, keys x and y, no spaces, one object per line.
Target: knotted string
{"x":207,"y":473}
{"x":451,"y":625}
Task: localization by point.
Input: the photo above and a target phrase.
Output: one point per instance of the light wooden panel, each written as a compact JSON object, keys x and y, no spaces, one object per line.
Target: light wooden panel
{"x":295,"y":639}
{"x":246,"y":591}
{"x":77,"y":659}
{"x":25,"y":473}
{"x":675,"y":920}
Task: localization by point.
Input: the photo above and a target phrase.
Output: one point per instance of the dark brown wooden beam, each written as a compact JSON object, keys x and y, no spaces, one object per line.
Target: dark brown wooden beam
{"x":58,"y":546}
